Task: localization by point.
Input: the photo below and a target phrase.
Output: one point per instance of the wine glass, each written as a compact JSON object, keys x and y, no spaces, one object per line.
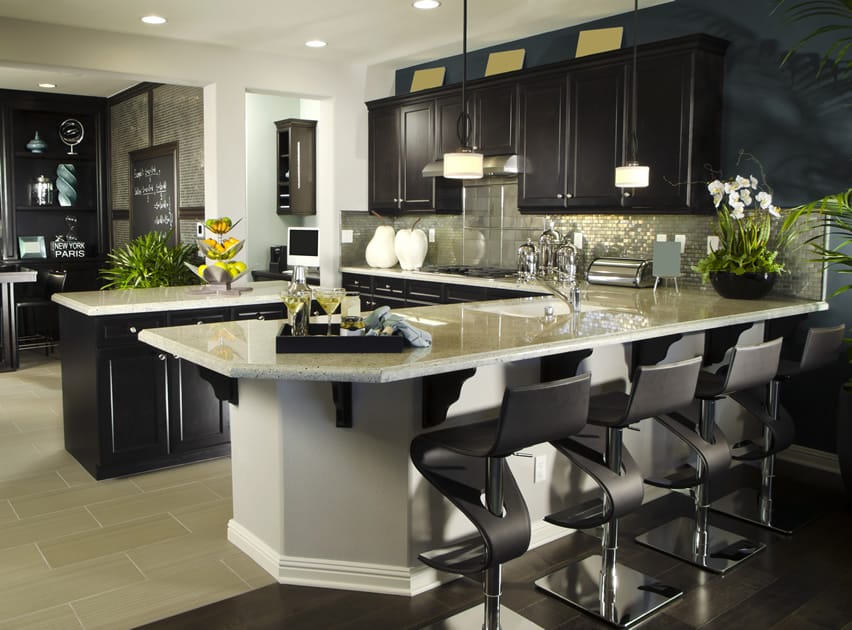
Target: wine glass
{"x":329,"y":300}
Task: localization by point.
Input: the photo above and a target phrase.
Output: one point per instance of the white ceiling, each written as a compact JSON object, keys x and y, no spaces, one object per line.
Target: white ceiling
{"x":365,"y":31}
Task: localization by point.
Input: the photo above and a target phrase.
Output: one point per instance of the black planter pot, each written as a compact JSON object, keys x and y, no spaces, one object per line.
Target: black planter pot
{"x":747,"y":286}
{"x":844,"y":438}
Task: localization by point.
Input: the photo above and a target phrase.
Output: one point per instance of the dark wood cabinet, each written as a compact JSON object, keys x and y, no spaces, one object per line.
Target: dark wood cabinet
{"x":384,"y":151}
{"x":72,"y":208}
{"x":296,"y":166}
{"x":447,"y":112}
{"x":493,"y":112}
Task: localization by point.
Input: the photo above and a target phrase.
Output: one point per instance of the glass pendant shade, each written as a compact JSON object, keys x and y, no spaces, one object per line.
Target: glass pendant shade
{"x":632,"y":175}
{"x":463,"y":164}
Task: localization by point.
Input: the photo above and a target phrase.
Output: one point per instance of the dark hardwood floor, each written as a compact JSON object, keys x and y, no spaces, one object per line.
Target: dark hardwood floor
{"x":800,"y":582}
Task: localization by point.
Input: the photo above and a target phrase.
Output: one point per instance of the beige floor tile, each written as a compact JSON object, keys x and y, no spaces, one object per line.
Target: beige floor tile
{"x":75,"y":475}
{"x":88,"y":545}
{"x":248,"y":570}
{"x":36,"y":484}
{"x":221,"y":486}
{"x":7,"y":514}
{"x":8,"y":427}
{"x":16,"y":561}
{"x":47,"y":526}
{"x":147,"y":503}
{"x":173,"y":590}
{"x":181,"y":475}
{"x":56,"y":618}
{"x":180,"y":550}
{"x":37,"y":592}
{"x":210,"y":518}
{"x":57,"y":500}
{"x":27,"y":408}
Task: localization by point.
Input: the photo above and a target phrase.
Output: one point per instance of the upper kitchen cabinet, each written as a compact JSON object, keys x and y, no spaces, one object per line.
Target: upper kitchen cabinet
{"x":54,"y":186}
{"x":296,"y":167}
{"x":402,"y":140}
{"x":679,"y":123}
{"x":493,"y":110}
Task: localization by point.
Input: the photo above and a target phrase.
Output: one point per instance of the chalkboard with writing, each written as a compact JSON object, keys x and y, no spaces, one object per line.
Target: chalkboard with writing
{"x":153,"y":190}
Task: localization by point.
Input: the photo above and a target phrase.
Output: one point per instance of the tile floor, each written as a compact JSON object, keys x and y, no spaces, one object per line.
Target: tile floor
{"x":80,"y":554}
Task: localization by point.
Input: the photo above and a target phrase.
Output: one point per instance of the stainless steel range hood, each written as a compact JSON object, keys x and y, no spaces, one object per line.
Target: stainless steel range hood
{"x":505,"y":165}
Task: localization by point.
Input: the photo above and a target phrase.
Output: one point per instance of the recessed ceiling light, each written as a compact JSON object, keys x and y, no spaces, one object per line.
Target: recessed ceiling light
{"x":47,"y":85}
{"x":154,"y":19}
{"x":316,"y":43}
{"x":426,"y":4}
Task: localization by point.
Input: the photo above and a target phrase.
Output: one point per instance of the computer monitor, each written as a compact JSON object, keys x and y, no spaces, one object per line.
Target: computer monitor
{"x":303,"y":247}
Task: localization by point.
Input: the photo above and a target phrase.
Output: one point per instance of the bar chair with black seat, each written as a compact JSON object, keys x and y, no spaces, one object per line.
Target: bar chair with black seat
{"x":467,"y":465}
{"x":695,"y":539}
{"x":36,"y":314}
{"x":821,"y":347}
{"x":598,"y":584}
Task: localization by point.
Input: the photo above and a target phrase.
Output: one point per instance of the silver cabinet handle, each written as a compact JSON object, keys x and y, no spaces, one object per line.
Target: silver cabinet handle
{"x":261,"y":317}
{"x":198,"y":323}
{"x":133,"y":329}
{"x":161,"y":357}
{"x":416,"y":200}
{"x":299,"y":164}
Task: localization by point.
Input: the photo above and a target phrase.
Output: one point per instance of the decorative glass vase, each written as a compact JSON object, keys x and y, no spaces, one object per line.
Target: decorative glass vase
{"x":746,"y":286}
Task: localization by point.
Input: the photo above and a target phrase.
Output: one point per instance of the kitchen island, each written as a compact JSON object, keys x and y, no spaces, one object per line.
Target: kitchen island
{"x":324,"y":493}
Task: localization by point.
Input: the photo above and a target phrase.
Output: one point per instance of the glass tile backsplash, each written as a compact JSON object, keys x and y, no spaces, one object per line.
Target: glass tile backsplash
{"x":491,"y":229}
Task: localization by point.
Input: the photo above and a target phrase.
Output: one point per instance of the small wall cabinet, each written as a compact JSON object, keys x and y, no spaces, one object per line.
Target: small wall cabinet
{"x":296,"y":166}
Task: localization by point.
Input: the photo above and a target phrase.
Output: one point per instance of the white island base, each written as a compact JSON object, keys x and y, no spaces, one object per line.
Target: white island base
{"x":319,"y":505}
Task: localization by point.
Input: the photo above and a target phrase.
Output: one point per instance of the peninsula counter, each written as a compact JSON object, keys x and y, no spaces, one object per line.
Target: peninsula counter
{"x":321,"y":505}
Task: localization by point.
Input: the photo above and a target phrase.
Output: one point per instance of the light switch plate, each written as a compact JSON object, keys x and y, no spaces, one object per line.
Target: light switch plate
{"x":712,"y":243}
{"x":346,"y":236}
{"x":431,"y":235}
{"x":578,"y":240}
{"x":681,"y":238}
{"x":662,"y":238}
{"x":199,"y":230}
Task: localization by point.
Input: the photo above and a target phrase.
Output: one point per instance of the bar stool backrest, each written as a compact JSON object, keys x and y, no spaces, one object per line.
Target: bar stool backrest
{"x":751,"y":366}
{"x":663,"y":388}
{"x":543,"y":412}
{"x":821,"y":346}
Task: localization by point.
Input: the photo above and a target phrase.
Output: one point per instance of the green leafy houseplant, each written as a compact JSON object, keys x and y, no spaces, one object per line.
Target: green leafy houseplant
{"x":149,"y":261}
{"x":839,"y":13}
{"x":747,"y":244}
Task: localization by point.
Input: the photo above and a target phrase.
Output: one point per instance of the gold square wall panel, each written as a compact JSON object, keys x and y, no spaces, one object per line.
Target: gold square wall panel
{"x":505,"y":61}
{"x":427,"y":78}
{"x":599,"y":40}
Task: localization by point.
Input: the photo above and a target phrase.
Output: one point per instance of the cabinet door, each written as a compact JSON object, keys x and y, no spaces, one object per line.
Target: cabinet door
{"x":494,"y":119}
{"x":596,"y":132}
{"x":197,"y":419}
{"x":363,"y":284}
{"x":384,"y":159}
{"x":388,"y":292}
{"x":663,"y":132}
{"x":302,"y":169}
{"x":132,"y":409}
{"x":447,"y":112}
{"x":418,"y":124}
{"x":543,"y":137}
{"x":262,"y":311}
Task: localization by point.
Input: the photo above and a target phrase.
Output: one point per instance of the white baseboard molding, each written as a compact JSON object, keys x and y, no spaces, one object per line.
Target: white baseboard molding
{"x":811,"y":457}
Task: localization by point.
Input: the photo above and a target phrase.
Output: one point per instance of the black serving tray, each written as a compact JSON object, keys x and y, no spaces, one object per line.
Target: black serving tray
{"x":317,"y":341}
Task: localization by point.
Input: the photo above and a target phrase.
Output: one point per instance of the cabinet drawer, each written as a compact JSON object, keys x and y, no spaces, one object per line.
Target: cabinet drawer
{"x":394,"y":287}
{"x":501,"y":294}
{"x":207,"y":316}
{"x":462,"y":293}
{"x":124,"y":329}
{"x":262,"y":311}
{"x":420,"y":292}
{"x":357,"y":282}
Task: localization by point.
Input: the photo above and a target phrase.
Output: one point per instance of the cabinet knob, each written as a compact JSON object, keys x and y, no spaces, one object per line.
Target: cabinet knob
{"x":395,"y":200}
{"x":559,"y":195}
{"x":198,"y":323}
{"x":626,"y":194}
{"x":261,"y":317}
{"x":387,"y":286}
{"x":161,"y":357}
{"x":133,"y":330}
{"x":569,"y":195}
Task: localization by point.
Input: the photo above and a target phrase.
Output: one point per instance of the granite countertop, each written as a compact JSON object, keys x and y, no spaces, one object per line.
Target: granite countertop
{"x":17,"y":273}
{"x":129,"y":301}
{"x":449,"y":278}
{"x":476,"y":333}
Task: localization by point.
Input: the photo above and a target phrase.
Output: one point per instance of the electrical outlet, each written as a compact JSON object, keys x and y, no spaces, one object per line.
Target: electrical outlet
{"x":681,"y":238}
{"x":662,"y":238}
{"x":431,"y":235}
{"x":346,"y":236}
{"x":578,"y":240}
{"x":539,"y":468}
{"x":712,"y":243}
{"x":199,"y":230}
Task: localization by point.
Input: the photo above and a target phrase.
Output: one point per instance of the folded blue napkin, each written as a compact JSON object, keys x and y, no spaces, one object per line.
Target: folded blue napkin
{"x":382,"y":322}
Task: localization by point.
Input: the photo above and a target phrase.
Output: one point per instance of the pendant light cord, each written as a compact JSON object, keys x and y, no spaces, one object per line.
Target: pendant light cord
{"x":463,"y":124}
{"x":634,"y":139}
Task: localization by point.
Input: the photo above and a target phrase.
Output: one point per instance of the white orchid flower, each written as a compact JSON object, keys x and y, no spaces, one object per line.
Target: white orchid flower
{"x":774,"y":211}
{"x":745,"y":195}
{"x":753,"y":181}
{"x":734,"y":198}
{"x":742,"y":182}
{"x":717,"y":189}
{"x":737,"y":210}
{"x":764,"y":199}
{"x":730,"y":187}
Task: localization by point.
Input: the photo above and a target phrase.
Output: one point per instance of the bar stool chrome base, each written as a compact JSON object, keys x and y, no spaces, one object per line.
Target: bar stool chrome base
{"x":472,"y":618}
{"x":622,"y":598}
{"x":722,"y":552}
{"x":747,"y":504}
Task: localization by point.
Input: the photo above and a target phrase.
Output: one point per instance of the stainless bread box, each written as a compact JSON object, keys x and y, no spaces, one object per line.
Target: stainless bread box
{"x":622,"y":272}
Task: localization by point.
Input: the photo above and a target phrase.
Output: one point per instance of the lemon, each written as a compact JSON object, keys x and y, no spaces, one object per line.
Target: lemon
{"x":201,"y":269}
{"x":239,"y":264}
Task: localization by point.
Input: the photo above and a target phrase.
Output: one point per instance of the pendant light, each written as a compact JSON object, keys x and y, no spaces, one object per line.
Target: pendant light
{"x":464,"y":163}
{"x":632,"y":174}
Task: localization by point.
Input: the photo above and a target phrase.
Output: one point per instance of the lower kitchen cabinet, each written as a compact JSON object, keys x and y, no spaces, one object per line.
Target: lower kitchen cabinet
{"x":129,"y":408}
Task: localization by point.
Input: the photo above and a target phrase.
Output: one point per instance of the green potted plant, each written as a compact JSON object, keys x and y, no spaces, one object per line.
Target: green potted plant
{"x":838,"y":13}
{"x":149,"y":261}
{"x":745,"y":263}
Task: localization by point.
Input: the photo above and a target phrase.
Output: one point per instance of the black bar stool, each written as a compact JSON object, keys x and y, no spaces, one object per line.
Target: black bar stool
{"x":467,"y":464}
{"x":695,"y":540}
{"x":38,"y":325}
{"x":598,"y":584}
{"x":821,"y":348}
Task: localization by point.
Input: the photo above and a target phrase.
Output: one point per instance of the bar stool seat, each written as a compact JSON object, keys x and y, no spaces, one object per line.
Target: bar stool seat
{"x":694,"y":540}
{"x":36,"y":317}
{"x":758,"y":506}
{"x":598,"y":584}
{"x":467,"y":465}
